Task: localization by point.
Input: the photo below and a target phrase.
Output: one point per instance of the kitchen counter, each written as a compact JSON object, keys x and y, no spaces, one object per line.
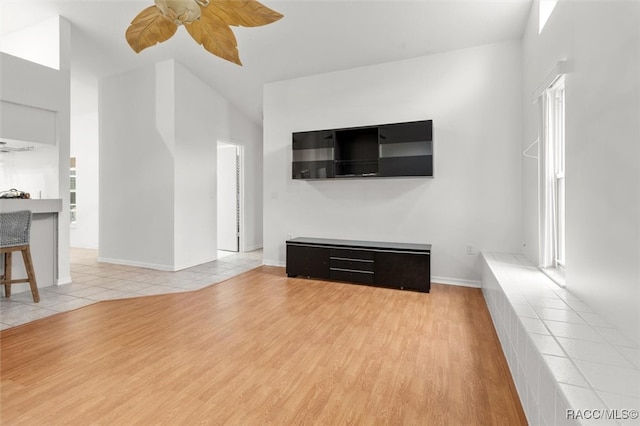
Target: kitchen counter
{"x":44,"y":240}
{"x":53,"y":205}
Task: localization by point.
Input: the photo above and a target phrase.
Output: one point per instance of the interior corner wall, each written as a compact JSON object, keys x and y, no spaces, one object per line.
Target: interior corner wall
{"x":136,"y":168}
{"x":195,"y":206}
{"x":204,"y":117}
{"x":473,"y":97}
{"x":601,"y":41}
{"x":159,"y":128}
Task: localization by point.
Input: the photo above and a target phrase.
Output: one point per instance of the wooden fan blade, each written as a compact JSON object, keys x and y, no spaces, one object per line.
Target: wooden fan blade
{"x":216,"y":37}
{"x":244,"y":13}
{"x":149,"y":28}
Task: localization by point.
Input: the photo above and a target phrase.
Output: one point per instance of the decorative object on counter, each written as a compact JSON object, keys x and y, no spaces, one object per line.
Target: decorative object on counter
{"x":14,"y":193}
{"x":207,"y":21}
{"x":15,"y":233}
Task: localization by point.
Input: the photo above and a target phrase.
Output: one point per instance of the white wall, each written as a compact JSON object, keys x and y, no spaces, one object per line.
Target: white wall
{"x":195,"y":169}
{"x":159,"y":128}
{"x":204,"y":117}
{"x":136,"y":169}
{"x":84,"y":147}
{"x":239,"y":130}
{"x":602,"y":42}
{"x":474,"y":99}
{"x":37,"y":43}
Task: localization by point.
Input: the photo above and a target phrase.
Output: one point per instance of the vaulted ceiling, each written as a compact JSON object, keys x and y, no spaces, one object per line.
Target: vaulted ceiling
{"x":313,"y":37}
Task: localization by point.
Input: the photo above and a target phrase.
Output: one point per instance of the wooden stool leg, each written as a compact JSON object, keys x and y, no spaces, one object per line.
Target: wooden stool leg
{"x":7,"y":274}
{"x":28,"y":265}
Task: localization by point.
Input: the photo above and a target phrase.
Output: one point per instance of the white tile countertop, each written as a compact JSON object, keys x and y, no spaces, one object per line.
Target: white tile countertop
{"x":555,"y":342}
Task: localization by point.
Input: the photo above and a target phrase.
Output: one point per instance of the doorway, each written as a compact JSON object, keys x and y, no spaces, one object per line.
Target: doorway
{"x":228,"y":188}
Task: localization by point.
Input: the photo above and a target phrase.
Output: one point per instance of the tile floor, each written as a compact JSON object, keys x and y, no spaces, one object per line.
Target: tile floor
{"x":94,"y":281}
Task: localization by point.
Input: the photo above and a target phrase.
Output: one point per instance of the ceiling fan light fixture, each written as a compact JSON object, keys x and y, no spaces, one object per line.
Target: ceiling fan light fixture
{"x":179,"y":11}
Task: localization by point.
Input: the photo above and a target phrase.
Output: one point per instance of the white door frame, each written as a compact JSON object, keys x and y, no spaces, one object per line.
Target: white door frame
{"x":241,"y":198}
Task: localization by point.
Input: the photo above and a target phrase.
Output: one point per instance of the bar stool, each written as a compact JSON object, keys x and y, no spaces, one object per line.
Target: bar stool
{"x":15,"y":230}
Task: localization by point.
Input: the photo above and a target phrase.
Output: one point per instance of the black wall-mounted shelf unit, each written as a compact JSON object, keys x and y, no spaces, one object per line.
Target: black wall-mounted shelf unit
{"x":389,"y":150}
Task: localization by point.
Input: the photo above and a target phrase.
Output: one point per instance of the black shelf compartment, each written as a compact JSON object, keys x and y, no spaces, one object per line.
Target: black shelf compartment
{"x":356,"y":152}
{"x":345,"y":168}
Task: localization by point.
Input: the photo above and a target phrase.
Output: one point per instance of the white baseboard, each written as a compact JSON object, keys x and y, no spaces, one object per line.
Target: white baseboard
{"x":196,"y":263}
{"x":83,"y":246}
{"x":269,"y":262}
{"x":63,"y":280}
{"x":456,"y":281}
{"x":252,"y":248}
{"x":138,"y":264}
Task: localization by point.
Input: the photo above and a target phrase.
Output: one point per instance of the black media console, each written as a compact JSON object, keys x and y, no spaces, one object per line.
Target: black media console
{"x":398,"y":265}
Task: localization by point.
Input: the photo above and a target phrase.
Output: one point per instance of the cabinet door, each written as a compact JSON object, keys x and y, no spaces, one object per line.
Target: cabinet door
{"x":406,"y":149}
{"x":317,"y":139}
{"x":307,"y":261}
{"x":313,"y":155}
{"x":403,"y":270}
{"x":407,"y":132}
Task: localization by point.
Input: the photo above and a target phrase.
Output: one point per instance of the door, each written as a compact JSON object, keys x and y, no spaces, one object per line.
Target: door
{"x":228,"y":197}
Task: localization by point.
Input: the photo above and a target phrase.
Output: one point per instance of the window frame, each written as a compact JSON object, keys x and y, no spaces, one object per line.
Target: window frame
{"x":557,"y":90}
{"x":553,"y":183}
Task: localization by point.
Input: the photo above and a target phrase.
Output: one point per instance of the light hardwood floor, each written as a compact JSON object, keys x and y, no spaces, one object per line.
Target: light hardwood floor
{"x":261,"y":348}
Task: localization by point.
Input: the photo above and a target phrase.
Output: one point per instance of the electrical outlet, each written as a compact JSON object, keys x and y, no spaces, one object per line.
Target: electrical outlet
{"x":471,"y":249}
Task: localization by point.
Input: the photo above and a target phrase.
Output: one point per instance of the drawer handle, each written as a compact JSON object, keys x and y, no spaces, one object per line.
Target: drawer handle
{"x":351,"y":270}
{"x":350,"y":259}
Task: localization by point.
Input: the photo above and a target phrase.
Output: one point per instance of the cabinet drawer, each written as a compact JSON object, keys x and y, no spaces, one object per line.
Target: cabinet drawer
{"x":352,"y":276}
{"x":351,"y":254}
{"x":352,"y":264}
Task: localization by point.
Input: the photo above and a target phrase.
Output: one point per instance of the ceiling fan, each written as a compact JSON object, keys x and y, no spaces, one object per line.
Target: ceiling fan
{"x":207,"y":21}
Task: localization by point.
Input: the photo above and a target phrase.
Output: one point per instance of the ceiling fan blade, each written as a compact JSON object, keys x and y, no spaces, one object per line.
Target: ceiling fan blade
{"x":215,"y":36}
{"x":244,"y":13}
{"x":149,"y":28}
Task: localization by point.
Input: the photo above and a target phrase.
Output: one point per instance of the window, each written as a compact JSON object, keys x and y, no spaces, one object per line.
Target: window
{"x":552,"y":185}
{"x":545,"y":8}
{"x":72,"y":190}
